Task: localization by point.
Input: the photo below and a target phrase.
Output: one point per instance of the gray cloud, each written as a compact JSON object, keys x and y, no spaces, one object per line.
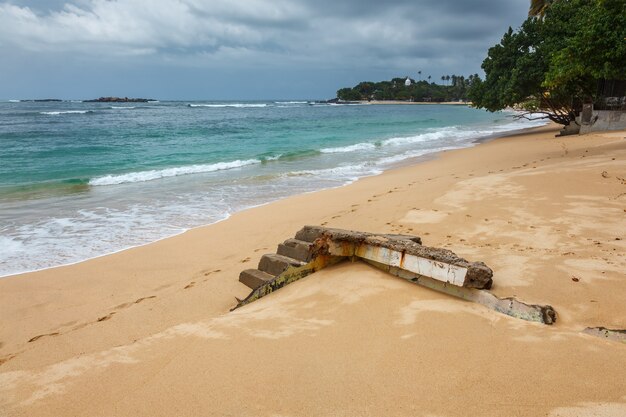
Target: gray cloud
{"x":351,"y":40}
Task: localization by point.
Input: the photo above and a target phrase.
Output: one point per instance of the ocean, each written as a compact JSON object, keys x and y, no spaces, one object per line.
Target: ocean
{"x":81,"y":180}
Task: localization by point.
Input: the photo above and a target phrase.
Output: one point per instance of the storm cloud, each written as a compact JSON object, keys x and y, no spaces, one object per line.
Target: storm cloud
{"x":222,"y":49}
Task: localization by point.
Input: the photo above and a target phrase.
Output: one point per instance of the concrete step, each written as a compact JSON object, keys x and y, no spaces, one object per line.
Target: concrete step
{"x":296,"y":249}
{"x":275,"y":264}
{"x":254,"y":278}
{"x":310,"y":233}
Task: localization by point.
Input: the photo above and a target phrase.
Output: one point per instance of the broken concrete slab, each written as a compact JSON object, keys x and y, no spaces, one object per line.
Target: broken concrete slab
{"x":401,"y":255}
{"x":510,"y":306}
{"x":404,"y":252}
{"x":311,"y":233}
{"x":609,"y":334}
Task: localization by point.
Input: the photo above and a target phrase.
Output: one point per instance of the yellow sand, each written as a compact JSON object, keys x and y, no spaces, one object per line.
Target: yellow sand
{"x":147,"y":332}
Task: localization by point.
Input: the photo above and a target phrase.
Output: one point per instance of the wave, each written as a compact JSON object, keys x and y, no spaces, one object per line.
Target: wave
{"x":155,"y":174}
{"x":365,"y":146}
{"x":271,"y":158}
{"x":394,"y":159}
{"x":352,"y":172}
{"x":344,"y":104}
{"x":291,"y":102}
{"x":122,"y":107}
{"x":234,"y":105}
{"x":14,"y":101}
{"x":56,"y":113}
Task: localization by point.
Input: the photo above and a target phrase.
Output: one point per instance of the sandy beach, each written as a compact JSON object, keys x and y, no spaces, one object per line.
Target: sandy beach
{"x":148,"y":332}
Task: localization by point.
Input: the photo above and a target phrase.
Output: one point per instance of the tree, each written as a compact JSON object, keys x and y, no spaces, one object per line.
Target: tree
{"x":551,"y":65}
{"x":348,"y":94}
{"x":538,"y":7}
{"x":395,"y":89}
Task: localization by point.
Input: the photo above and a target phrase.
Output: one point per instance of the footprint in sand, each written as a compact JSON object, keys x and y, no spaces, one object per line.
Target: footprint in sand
{"x":206,"y":274}
{"x":43,"y":335}
{"x":244,"y":260}
{"x":107,"y":317}
{"x":5,"y":359}
{"x":190,"y":285}
{"x":137,"y":301}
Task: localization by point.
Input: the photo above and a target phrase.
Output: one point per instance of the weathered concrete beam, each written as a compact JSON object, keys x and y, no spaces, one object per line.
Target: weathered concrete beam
{"x":311,"y":233}
{"x":511,"y":307}
{"x":403,"y":252}
{"x":401,"y":255}
{"x":604,"y":333}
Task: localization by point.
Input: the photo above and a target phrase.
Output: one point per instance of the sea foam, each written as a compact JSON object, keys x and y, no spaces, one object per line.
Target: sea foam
{"x":364,"y":146}
{"x":156,"y":174}
{"x":56,"y":113}
{"x":233,"y":105}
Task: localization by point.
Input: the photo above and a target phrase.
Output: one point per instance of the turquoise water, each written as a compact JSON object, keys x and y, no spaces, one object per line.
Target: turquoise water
{"x":79,"y":180}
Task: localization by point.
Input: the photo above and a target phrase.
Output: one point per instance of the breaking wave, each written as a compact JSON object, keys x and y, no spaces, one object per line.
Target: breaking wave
{"x":234,"y":105}
{"x":56,"y":113}
{"x":365,"y":146}
{"x":156,"y":174}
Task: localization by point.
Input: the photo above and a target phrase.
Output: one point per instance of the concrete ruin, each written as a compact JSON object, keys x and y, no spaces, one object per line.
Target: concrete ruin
{"x":591,"y":120}
{"x":609,"y":334}
{"x":404,"y":256}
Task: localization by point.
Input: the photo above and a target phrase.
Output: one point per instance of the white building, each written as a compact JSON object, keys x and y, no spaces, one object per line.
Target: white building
{"x":407,"y":82}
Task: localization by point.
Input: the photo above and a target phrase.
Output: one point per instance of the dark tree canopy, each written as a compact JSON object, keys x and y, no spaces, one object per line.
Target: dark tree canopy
{"x":552,"y":63}
{"x":416,"y":91}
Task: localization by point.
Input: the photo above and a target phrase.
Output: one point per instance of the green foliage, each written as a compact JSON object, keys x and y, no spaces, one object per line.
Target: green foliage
{"x":539,"y":7}
{"x":396,"y":89}
{"x":595,"y":49}
{"x":552,"y":64}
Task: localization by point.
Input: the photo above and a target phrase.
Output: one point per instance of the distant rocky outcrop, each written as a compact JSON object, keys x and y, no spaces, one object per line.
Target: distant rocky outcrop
{"x":41,"y":100}
{"x":118,"y":100}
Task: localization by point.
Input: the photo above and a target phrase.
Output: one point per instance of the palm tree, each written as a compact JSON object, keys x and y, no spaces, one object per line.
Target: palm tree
{"x":429,"y":78}
{"x":443,"y":78}
{"x":420,"y":74}
{"x":448,"y":77}
{"x":538,"y":7}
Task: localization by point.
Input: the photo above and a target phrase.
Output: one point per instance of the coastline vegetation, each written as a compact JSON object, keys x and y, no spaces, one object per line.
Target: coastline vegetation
{"x":454,"y":88}
{"x":562,"y":57}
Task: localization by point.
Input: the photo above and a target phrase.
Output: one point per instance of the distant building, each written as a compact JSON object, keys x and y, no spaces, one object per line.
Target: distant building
{"x":407,"y":82}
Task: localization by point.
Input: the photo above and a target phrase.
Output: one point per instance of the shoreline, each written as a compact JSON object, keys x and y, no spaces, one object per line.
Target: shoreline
{"x":154,"y":320}
{"x":399,"y":164}
{"x":400,"y":102}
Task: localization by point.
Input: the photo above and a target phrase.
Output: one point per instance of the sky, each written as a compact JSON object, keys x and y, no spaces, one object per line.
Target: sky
{"x":239,"y":49}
